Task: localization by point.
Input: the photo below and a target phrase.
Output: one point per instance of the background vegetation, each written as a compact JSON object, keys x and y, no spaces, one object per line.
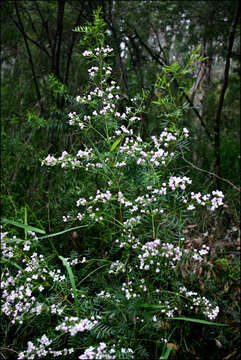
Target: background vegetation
{"x":42,"y":70}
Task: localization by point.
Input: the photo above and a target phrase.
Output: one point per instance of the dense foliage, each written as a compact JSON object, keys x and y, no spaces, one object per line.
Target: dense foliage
{"x":142,"y":261}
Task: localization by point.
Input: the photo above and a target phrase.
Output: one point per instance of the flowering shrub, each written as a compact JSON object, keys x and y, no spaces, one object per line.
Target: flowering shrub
{"x":121,"y":298}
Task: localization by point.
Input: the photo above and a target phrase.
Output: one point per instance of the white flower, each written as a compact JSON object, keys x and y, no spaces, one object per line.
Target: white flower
{"x":191,"y":207}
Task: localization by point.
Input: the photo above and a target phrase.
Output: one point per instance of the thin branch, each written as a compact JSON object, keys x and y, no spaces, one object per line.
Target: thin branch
{"x":212,"y":174}
{"x":21,"y":29}
{"x":31,"y":22}
{"x":30,"y":39}
{"x":145,"y":46}
{"x":29,"y":55}
{"x":159,"y":43}
{"x":44,"y":23}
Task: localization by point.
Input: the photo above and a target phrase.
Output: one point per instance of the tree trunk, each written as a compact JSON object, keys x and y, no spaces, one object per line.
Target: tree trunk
{"x":217,"y":124}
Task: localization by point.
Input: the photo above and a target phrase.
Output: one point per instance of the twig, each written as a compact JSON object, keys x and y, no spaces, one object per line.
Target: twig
{"x":21,"y":29}
{"x":8,"y":349}
{"x":210,"y":173}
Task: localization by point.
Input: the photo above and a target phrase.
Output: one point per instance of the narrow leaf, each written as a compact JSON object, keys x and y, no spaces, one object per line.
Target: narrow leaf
{"x":25,"y":222}
{"x":15,"y":264}
{"x":71,"y":277}
{"x":13,"y":241}
{"x":197,"y":321}
{"x":150,"y":306}
{"x":101,"y":159}
{"x":61,"y":232}
{"x":113,"y":146}
{"x":26,"y":227}
{"x":167,"y":353}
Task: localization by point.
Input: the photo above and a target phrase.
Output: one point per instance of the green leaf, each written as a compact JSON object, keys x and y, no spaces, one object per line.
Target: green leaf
{"x":13,"y":241}
{"x":61,"y":232}
{"x":197,"y":321}
{"x":150,"y":306}
{"x":71,"y":277}
{"x":25,"y":222}
{"x":9,"y":262}
{"x":105,"y":168}
{"x":167,"y":353}
{"x":113,"y":146}
{"x":23,"y":226}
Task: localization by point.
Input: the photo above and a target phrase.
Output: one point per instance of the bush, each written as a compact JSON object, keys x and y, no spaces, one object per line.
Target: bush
{"x":130,"y":288}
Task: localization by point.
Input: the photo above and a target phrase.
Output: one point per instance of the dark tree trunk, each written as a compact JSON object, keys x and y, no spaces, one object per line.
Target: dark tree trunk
{"x":217,"y":124}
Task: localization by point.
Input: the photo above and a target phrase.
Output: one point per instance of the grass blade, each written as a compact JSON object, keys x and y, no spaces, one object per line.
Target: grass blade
{"x":23,"y":226}
{"x":92,"y":272}
{"x":25,"y":222}
{"x":61,"y":232}
{"x":200,"y":321}
{"x":150,"y":306}
{"x":13,"y":241}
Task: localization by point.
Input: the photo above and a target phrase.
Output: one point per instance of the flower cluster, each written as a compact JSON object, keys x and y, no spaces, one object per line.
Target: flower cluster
{"x":104,"y":295}
{"x":66,"y":159}
{"x":73,"y":261}
{"x":166,"y":309}
{"x":42,"y":350}
{"x":201,"y":302}
{"x":7,"y":250}
{"x":127,"y":288}
{"x":212,"y":201}
{"x":217,"y":199}
{"x":20,"y":301}
{"x":91,"y":211}
{"x":153,"y":251}
{"x":117,"y":267}
{"x":128,"y":240}
{"x":141,"y":151}
{"x":198,"y":254}
{"x":105,"y":51}
{"x":107,"y":95}
{"x":49,"y":161}
{"x":93,"y":70}
{"x":177,"y":181}
{"x":73,"y":119}
{"x":105,"y":352}
{"x":73,"y":325}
